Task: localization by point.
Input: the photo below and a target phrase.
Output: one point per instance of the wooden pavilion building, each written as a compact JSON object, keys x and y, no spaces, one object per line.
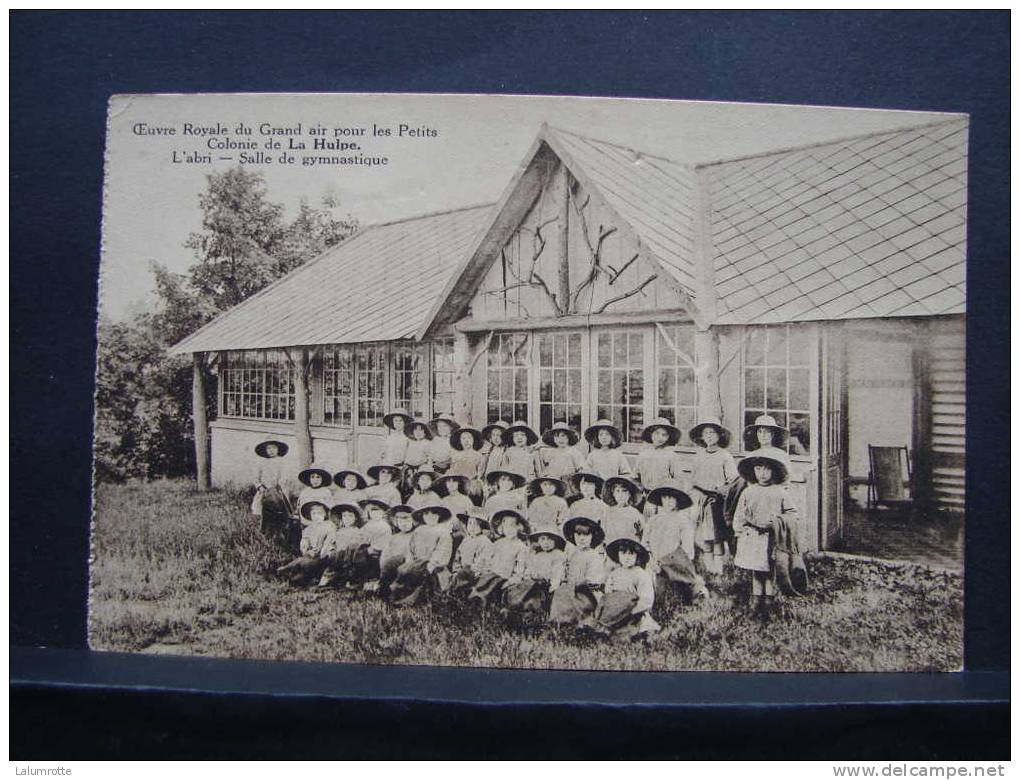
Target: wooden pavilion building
{"x":824,"y":285}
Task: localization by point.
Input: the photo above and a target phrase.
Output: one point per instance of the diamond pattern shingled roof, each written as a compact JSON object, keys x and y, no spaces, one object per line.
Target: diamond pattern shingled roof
{"x":870,"y":227}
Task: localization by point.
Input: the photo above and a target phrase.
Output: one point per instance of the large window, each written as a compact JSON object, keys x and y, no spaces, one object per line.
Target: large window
{"x":507,"y":390}
{"x":257,"y":384}
{"x":777,"y":380}
{"x":559,"y":380}
{"x":338,"y":386}
{"x":443,"y":376}
{"x":677,"y":397}
{"x":410,"y":378}
{"x":370,"y":363}
{"x":621,"y":380}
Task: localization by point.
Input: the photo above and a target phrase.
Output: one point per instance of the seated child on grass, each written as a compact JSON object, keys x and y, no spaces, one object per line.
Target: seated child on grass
{"x":348,"y":486}
{"x":316,"y":528}
{"x":472,"y":554}
{"x":316,"y":481}
{"x":548,"y":508}
{"x":588,"y":504}
{"x":422,"y":492}
{"x":508,"y":492}
{"x":429,"y":553}
{"x":377,"y":530}
{"x":575,"y":600}
{"x":542,"y":573}
{"x":397,"y":548}
{"x":505,"y":559}
{"x":669,"y":539}
{"x":386,"y":487}
{"x":625,"y":609}
{"x":341,"y":546}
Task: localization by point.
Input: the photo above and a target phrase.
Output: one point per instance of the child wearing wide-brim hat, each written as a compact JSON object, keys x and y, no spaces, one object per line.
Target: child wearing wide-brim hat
{"x":377,"y":529}
{"x":316,"y":481}
{"x":387,"y":484}
{"x":271,"y":448}
{"x":605,"y":457}
{"x":440,"y":449}
{"x":669,"y":539}
{"x":472,"y":553}
{"x":762,"y":507}
{"x":271,"y":502}
{"x":625,"y":609}
{"x":417,"y":455}
{"x":494,"y":444}
{"x":583,"y":575}
{"x":395,"y":447}
{"x":309,"y":563}
{"x":452,"y":489}
{"x":397,"y":548}
{"x":560,"y":457}
{"x":520,"y":455}
{"x":622,"y":517}
{"x":340,"y":550}
{"x":423,"y":490}
{"x":659,"y":464}
{"x":588,"y":487}
{"x":506,"y":558}
{"x":349,"y":486}
{"x":548,"y":507}
{"x":541,"y":574}
{"x":507,"y":492}
{"x":765,"y":431}
{"x":713,"y":470}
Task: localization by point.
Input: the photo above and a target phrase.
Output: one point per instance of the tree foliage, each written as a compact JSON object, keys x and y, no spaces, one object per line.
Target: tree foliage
{"x":143,"y":395}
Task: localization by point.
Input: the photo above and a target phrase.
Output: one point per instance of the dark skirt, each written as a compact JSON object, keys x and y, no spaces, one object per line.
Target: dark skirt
{"x":388,"y":572}
{"x":615,"y":611}
{"x":572,"y":603}
{"x":303,"y":570}
{"x":712,"y":525}
{"x":488,"y":587}
{"x":277,"y":524}
{"x":365,"y":564}
{"x":462,"y":580}
{"x":528,"y":594}
{"x":412,"y":583}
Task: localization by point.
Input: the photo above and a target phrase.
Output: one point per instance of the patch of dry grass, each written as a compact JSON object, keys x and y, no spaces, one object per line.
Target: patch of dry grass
{"x":183,"y":572}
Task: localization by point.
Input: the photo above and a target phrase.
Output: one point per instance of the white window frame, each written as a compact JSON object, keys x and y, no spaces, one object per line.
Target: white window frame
{"x":264,"y":371}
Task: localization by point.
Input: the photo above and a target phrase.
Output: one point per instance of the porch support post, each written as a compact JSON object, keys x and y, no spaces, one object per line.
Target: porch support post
{"x":302,"y":433}
{"x":461,"y":378}
{"x":563,"y":240}
{"x":706,"y":355}
{"x":200,"y":421}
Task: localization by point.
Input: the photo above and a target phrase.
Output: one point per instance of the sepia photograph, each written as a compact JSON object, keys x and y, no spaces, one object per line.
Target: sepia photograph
{"x":531,"y":383}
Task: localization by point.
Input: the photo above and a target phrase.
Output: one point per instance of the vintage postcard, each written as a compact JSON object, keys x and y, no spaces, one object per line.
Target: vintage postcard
{"x":531,"y":382}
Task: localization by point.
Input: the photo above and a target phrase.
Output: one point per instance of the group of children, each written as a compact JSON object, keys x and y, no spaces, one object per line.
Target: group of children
{"x":502,"y":517}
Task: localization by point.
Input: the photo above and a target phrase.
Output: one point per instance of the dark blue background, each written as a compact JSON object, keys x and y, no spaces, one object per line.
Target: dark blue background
{"x":64,"y":67}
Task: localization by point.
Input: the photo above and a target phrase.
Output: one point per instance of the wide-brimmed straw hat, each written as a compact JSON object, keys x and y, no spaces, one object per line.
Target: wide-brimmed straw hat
{"x":306,"y":508}
{"x":449,"y":419}
{"x":443,"y":512}
{"x":771,"y":456}
{"x":561,"y":543}
{"x":587,"y":476}
{"x":535,"y":486}
{"x":591,"y":433}
{"x":661,"y":422}
{"x":483,"y":521}
{"x":493,"y":477}
{"x":779,"y":433}
{"x":613,"y":550}
{"x":424,"y":424}
{"x":281,"y":448}
{"x":338,"y":478}
{"x":521,"y":426}
{"x":570,"y":529}
{"x":373,"y":471}
{"x":710,"y":422}
{"x":338,"y":509}
{"x":305,"y":474}
{"x":476,"y":435}
{"x":547,"y":437}
{"x":499,"y":424}
{"x":632,"y":488}
{"x":502,"y":514}
{"x":682,"y":499}
{"x":373,"y":501}
{"x":402,"y":509}
{"x":441,"y":483}
{"x":427,"y":470}
{"x":388,"y":418}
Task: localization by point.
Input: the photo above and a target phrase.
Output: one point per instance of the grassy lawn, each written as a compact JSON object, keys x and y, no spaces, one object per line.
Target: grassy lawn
{"x":182,"y":572}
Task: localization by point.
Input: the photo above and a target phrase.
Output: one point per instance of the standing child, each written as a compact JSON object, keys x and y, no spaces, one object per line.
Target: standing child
{"x":430,"y":552}
{"x":494,"y":448}
{"x":505,"y":559}
{"x":625,"y":609}
{"x":520,"y":456}
{"x":713,"y":470}
{"x":349,"y":487}
{"x":669,"y":539}
{"x":394,"y":450}
{"x":377,"y":530}
{"x":548,"y":507}
{"x":589,"y":488}
{"x":660,"y":466}
{"x":622,"y":519}
{"x":417,"y":454}
{"x":763,"y":509}
{"x":308,"y":566}
{"x":271,"y":502}
{"x":765,"y":432}
{"x":397,"y":548}
{"x":422,"y":493}
{"x":466,"y":461}
{"x":508,"y":492}
{"x":605,"y":458}
{"x":575,"y":600}
{"x":341,"y":546}
{"x":316,"y":481}
{"x":440,"y":448}
{"x":560,"y":457}
{"x":385,"y":489}
{"x":542,"y":573}
{"x":473,"y":553}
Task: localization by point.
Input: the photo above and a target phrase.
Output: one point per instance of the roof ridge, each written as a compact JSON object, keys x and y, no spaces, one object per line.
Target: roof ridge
{"x":650,"y":155}
{"x":429,"y":214}
{"x":833,"y":142}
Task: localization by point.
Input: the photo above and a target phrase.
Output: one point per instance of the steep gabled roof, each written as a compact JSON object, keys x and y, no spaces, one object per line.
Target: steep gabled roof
{"x":868,"y":227}
{"x":369,"y":288}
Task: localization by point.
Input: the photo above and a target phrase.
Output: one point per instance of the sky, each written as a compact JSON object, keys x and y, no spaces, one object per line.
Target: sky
{"x":151,"y":201}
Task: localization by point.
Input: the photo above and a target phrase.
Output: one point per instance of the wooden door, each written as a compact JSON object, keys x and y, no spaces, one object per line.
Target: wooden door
{"x":832,"y":430}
